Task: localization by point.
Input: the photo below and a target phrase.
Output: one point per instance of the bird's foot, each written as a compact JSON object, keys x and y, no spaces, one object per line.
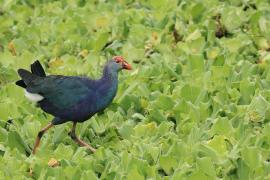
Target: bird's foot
{"x":90,"y":148}
{"x":80,"y":142}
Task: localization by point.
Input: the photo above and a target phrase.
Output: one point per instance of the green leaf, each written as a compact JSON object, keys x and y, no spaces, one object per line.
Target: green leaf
{"x":236,"y":17}
{"x":101,"y":41}
{"x":222,"y":127}
{"x":126,"y":130}
{"x":247,"y":90}
{"x":59,"y":134}
{"x":251,"y":156}
{"x":16,"y":141}
{"x":168,"y":163}
{"x":158,"y":4}
{"x":206,"y":165}
{"x":257,"y":109}
{"x":220,"y":71}
{"x":190,"y":93}
{"x":133,"y":174}
{"x":197,"y":11}
{"x":144,"y":129}
{"x":3,"y":135}
{"x":198,"y":175}
{"x":218,"y":144}
{"x":196,"y":63}
{"x":63,"y":152}
{"x":164,"y":102}
{"x":156,"y":115}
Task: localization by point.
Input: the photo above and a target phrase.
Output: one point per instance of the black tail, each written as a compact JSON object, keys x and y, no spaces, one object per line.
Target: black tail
{"x":21,"y":84}
{"x":37,"y":69}
{"x":27,"y":77}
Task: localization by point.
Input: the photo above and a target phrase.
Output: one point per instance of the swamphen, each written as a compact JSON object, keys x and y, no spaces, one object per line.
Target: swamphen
{"x":71,"y":98}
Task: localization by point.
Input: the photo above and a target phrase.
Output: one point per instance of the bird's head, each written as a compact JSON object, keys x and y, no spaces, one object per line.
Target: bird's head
{"x":119,"y":63}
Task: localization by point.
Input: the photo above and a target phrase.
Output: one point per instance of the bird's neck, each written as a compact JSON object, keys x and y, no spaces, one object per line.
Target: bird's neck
{"x":107,"y":88}
{"x":109,"y":83}
{"x":109,"y":75}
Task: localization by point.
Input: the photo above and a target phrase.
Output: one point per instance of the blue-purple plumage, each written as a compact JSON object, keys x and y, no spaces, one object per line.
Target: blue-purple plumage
{"x":72,"y":98}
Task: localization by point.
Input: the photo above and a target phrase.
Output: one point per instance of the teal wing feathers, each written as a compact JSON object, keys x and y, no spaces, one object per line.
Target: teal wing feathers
{"x":61,"y":91}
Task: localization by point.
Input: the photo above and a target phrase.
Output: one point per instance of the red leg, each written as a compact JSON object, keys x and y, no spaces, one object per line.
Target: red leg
{"x":78,"y":141}
{"x":39,"y":136}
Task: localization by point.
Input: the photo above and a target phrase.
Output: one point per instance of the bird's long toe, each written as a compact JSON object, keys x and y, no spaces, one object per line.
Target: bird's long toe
{"x":81,"y":143}
{"x":74,"y":137}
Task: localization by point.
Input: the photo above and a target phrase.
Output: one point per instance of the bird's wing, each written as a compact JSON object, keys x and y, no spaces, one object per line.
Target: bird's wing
{"x":61,"y":91}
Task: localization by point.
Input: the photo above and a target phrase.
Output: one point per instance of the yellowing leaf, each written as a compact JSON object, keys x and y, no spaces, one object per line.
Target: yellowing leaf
{"x":194,"y":35}
{"x":213,"y":53}
{"x":11,"y":48}
{"x":84,"y":53}
{"x":102,"y":22}
{"x":56,"y":62}
{"x":145,"y":129}
{"x":53,"y":163}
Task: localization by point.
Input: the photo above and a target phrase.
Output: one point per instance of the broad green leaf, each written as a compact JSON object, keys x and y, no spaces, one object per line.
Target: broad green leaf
{"x":164,"y":102}
{"x":197,"y":11}
{"x":206,"y":165}
{"x":101,"y":41}
{"x":3,"y":135}
{"x":59,"y":134}
{"x":190,"y":93}
{"x":156,"y":115}
{"x":126,"y":130}
{"x":16,"y":141}
{"x":133,"y":174}
{"x":218,"y":144}
{"x":257,"y":109}
{"x":222,"y":126}
{"x":236,"y":15}
{"x":247,"y":90}
{"x":198,"y":175}
{"x":168,"y":163}
{"x":251,"y":157}
{"x":64,"y":152}
{"x":196,"y":63}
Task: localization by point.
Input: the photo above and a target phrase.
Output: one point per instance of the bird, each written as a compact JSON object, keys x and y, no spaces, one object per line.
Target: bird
{"x":71,"y":98}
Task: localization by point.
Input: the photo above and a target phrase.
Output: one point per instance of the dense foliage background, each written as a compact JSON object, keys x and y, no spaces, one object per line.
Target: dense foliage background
{"x":196,"y":105}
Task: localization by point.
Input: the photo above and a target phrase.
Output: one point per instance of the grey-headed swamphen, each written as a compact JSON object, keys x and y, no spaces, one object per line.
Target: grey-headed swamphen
{"x":71,"y":98}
